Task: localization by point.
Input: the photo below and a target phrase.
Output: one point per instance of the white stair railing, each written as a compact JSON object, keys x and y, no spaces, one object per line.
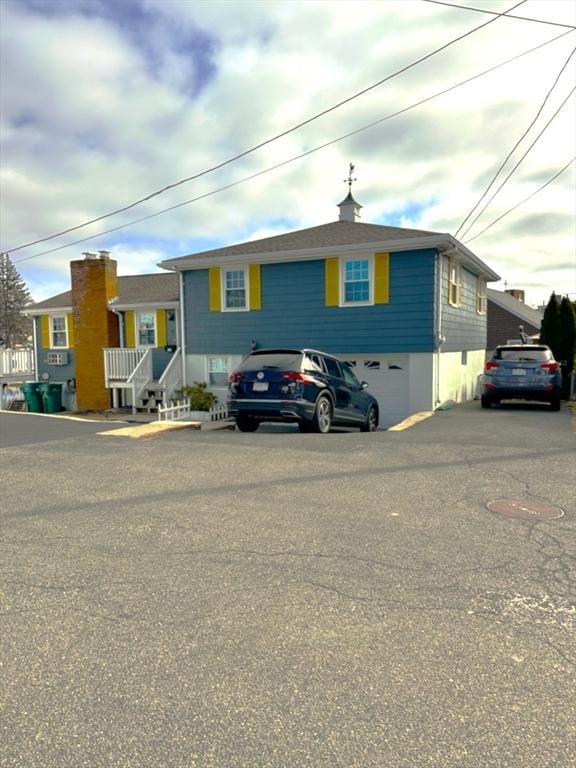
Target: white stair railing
{"x":141,"y":377}
{"x":121,"y":362}
{"x":171,"y":379}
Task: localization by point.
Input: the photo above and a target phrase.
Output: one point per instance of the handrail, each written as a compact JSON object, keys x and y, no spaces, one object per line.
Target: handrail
{"x":171,"y":379}
{"x":141,"y":376}
{"x":120,"y":362}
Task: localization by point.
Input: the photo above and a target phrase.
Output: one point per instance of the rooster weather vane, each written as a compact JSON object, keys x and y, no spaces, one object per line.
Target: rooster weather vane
{"x":350,"y":180}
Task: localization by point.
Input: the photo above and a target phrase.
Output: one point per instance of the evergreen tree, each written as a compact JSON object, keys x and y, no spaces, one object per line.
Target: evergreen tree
{"x":567,"y":341}
{"x":15,"y":328}
{"x":550,"y":328}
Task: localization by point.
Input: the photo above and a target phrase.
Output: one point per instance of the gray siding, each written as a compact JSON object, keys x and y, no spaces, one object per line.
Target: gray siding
{"x":294,"y":314}
{"x":462,"y":326}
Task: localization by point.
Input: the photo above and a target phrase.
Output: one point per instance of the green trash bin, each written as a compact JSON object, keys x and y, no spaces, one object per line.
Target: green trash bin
{"x":32,"y":397}
{"x":51,"y":397}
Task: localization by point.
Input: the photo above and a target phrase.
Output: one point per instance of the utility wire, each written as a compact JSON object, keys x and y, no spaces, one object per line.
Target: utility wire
{"x":469,"y":227}
{"x":516,"y":145}
{"x":508,"y":15}
{"x":273,"y":138}
{"x":300,"y":156}
{"x":521,"y":202}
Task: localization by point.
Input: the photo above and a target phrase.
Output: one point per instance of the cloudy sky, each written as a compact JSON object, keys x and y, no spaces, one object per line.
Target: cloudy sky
{"x":107,"y":101}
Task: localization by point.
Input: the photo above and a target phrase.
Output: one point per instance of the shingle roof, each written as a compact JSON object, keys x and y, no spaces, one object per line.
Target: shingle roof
{"x":132,"y":289}
{"x":324,"y":236}
{"x":518,"y":308}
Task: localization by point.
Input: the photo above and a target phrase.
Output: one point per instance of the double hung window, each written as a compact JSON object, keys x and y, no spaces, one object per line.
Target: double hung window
{"x":146,"y":329}
{"x":218,"y":371}
{"x":480,"y":296}
{"x":356,"y":281}
{"x":58,"y":332}
{"x":234,"y":285}
{"x":454,"y":283}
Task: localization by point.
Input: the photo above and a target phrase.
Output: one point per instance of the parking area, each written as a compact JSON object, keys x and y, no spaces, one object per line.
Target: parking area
{"x":281,"y":600}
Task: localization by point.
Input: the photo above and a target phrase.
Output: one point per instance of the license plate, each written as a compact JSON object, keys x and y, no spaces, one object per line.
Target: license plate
{"x":518,"y":371}
{"x":260,"y":386}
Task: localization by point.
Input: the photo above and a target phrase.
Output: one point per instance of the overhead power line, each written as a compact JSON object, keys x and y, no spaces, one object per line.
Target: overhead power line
{"x":270,"y":140}
{"x":516,"y":145}
{"x":487,"y":203}
{"x":508,"y":15}
{"x":521,"y":202}
{"x":300,"y":156}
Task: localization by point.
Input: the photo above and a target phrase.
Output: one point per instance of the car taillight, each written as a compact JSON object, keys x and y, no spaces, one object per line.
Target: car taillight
{"x":296,"y":376}
{"x":490,"y":365}
{"x":554,"y":366}
{"x":235,"y":377}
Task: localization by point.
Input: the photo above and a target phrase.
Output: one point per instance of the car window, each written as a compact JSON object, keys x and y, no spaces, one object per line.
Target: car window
{"x":313,"y":363}
{"x":333,"y":367}
{"x":523,"y":355}
{"x":349,"y":377}
{"x":281,"y":360}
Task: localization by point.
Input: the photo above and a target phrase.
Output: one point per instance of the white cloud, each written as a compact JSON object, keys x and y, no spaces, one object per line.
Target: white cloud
{"x":106,"y":102}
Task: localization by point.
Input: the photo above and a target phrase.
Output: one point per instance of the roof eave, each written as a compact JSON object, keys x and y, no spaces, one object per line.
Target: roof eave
{"x":440,"y":241}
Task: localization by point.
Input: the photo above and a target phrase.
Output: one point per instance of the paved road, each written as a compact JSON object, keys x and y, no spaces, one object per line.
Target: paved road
{"x":28,"y":428}
{"x":277,"y":600}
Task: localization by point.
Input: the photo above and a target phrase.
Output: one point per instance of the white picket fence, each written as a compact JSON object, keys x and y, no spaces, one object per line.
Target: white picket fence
{"x":181,"y":410}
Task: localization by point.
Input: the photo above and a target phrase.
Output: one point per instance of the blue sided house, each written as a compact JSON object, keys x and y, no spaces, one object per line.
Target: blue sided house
{"x":405,"y":307}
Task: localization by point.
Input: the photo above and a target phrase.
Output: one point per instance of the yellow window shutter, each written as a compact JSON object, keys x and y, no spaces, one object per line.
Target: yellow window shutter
{"x":332,"y":281}
{"x":70,"y":329}
{"x":214,"y":289}
{"x":381,"y":278}
{"x":45,"y":328}
{"x":129,"y":330}
{"x":161,"y":333}
{"x":255,"y":286}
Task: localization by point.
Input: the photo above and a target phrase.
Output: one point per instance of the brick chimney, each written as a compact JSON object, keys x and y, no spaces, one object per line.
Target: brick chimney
{"x":518,"y":293}
{"x":94,"y":284}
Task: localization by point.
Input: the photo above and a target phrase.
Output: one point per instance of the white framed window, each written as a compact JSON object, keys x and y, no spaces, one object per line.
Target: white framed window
{"x":58,"y":332}
{"x":145,"y":329}
{"x":218,"y":370}
{"x":235,"y":289}
{"x":357,"y":281}
{"x":480,"y":296}
{"x":454,"y":283}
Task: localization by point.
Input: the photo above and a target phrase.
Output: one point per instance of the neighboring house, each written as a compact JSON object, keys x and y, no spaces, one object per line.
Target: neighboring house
{"x":406,"y":307}
{"x":110,"y":334}
{"x":508,"y":317}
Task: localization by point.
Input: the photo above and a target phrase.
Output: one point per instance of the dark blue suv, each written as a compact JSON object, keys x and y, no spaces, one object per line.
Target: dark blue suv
{"x":310,"y":388}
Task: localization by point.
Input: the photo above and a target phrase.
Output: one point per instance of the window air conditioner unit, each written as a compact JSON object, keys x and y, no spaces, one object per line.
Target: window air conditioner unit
{"x":57,"y":358}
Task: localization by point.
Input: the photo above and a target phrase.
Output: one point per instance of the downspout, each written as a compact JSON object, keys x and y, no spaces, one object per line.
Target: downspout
{"x":182,"y":340}
{"x":439,"y":338}
{"x":35,"y":342}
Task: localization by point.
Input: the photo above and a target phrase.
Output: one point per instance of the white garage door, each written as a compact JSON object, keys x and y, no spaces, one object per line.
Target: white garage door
{"x":387,"y":377}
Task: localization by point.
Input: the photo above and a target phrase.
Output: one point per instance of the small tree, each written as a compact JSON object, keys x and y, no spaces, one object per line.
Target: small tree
{"x":567,"y":341}
{"x":14,"y":295}
{"x":550,"y":328}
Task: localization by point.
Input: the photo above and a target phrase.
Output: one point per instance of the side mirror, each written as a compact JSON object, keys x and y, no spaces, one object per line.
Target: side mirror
{"x":363,"y":385}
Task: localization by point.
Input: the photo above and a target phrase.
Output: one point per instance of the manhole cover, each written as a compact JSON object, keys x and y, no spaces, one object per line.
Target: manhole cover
{"x":529,"y":510}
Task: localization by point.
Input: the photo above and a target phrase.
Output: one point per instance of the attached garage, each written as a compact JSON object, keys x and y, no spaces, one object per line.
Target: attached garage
{"x":388,"y":379}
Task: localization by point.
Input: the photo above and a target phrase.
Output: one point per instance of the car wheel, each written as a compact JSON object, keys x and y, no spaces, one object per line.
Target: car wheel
{"x":486,"y":402}
{"x":322,"y":420}
{"x":246,"y":424}
{"x":371,"y":423}
{"x":556,"y":404}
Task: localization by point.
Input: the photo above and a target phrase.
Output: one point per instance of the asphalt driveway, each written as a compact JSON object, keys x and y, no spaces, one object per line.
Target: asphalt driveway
{"x":282,"y":600}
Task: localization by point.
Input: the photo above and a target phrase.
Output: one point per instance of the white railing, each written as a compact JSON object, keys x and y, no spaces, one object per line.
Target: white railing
{"x":121,"y":362}
{"x":171,"y":379}
{"x":181,"y":410}
{"x":141,"y":376}
{"x":14,"y":361}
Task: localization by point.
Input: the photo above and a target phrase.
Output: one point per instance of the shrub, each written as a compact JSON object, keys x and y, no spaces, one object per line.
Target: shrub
{"x":200,"y":398}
